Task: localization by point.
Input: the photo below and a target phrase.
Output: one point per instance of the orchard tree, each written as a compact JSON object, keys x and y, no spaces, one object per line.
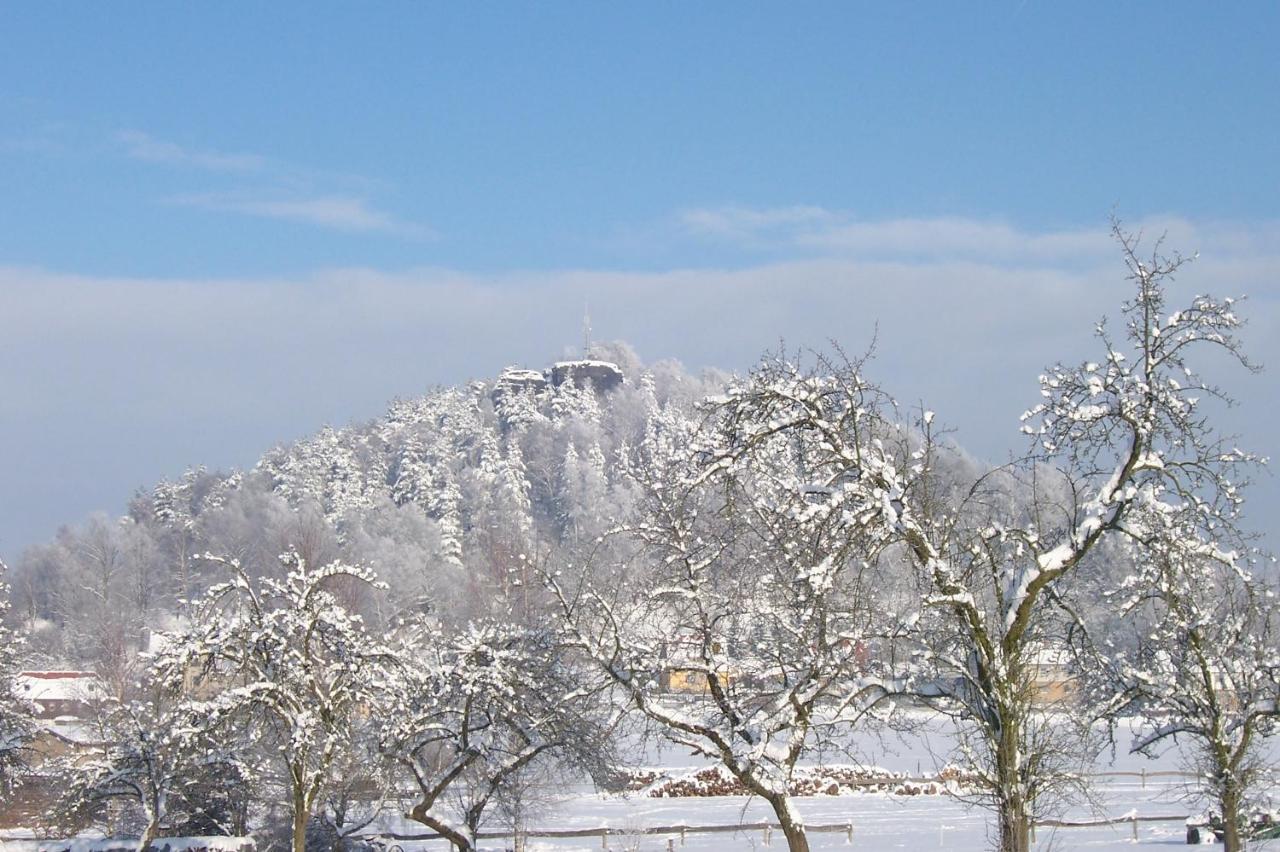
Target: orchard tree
{"x":748,"y":580}
{"x":1201,"y":664}
{"x":154,"y":753}
{"x":1112,"y":436}
{"x":362,"y":789}
{"x":473,"y":710}
{"x":293,"y":668}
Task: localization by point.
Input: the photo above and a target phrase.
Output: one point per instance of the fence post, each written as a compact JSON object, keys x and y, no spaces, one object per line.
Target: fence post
{"x":848,"y":833}
{"x":671,"y":845}
{"x":1144,"y":777}
{"x":1135,"y":828}
{"x":604,"y":838}
{"x":768,"y":834}
{"x":682,"y":835}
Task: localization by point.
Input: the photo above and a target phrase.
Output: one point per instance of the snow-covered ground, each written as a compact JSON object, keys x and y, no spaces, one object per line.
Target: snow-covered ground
{"x":879,"y":820}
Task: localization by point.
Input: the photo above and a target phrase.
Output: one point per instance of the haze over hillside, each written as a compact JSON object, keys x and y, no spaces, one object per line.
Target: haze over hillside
{"x":444,"y":495}
{"x":110,"y":389}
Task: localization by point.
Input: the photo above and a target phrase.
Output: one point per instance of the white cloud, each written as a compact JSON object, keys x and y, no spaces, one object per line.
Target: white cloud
{"x":342,"y":213}
{"x":143,"y":146}
{"x":745,"y":223}
{"x":287,"y":192}
{"x":800,"y":231}
{"x":155,"y":374}
{"x":954,"y":237}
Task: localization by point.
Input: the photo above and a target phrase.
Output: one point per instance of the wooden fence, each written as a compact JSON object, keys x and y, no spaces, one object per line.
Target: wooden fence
{"x":679,"y":833}
{"x":767,"y":829}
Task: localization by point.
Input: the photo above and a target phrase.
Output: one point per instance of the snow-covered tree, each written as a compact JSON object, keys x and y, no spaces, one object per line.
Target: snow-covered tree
{"x":174,"y":507}
{"x":16,"y":726}
{"x":1201,"y":664}
{"x":326,"y":469}
{"x":95,"y":598}
{"x":757,"y":595}
{"x":571,"y":402}
{"x":501,"y":531}
{"x":446,"y":506}
{"x":1112,"y":436}
{"x":570,"y":480}
{"x":152,"y":753}
{"x":475,"y":708}
{"x":413,"y":474}
{"x":364,"y":787}
{"x":518,"y":407}
{"x":294,"y":668}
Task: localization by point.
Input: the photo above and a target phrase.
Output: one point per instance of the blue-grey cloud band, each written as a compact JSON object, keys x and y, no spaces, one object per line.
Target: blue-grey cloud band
{"x":112,"y":383}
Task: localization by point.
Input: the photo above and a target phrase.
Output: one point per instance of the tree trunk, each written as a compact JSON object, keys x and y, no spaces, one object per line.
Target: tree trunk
{"x":472,"y":820}
{"x":459,"y":840}
{"x":299,"y":823}
{"x":789,"y":820}
{"x":149,"y":835}
{"x":1232,"y":841}
{"x":1015,"y":825}
{"x":1013,"y":808}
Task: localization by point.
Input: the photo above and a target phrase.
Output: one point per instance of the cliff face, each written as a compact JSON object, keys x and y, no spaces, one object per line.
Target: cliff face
{"x":604,"y":376}
{"x":514,"y":380}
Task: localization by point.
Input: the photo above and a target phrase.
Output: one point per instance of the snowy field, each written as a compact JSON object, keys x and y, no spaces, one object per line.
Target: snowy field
{"x":879,"y":820}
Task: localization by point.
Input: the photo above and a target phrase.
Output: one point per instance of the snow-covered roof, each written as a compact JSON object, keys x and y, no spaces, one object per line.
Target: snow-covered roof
{"x":59,"y":686}
{"x":1046,"y":656}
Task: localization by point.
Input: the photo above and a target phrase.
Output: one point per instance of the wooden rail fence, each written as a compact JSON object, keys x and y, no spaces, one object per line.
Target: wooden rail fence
{"x":766,"y":830}
{"x":679,"y":833}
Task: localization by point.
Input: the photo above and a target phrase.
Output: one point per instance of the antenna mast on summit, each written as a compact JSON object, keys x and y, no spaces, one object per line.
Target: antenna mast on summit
{"x":586,"y":329}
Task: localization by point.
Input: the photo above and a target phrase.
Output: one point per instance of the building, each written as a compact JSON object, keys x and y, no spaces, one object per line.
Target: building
{"x":1052,"y":679}
{"x":61,"y":694}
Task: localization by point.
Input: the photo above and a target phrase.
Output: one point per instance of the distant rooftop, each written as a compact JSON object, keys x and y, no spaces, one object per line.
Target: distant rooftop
{"x":56,"y":690}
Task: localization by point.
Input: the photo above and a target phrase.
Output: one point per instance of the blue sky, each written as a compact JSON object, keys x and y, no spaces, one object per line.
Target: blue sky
{"x":139,"y":138}
{"x":309,"y":208}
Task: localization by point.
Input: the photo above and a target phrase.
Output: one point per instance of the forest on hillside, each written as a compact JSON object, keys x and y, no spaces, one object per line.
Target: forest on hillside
{"x":450,"y":496}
